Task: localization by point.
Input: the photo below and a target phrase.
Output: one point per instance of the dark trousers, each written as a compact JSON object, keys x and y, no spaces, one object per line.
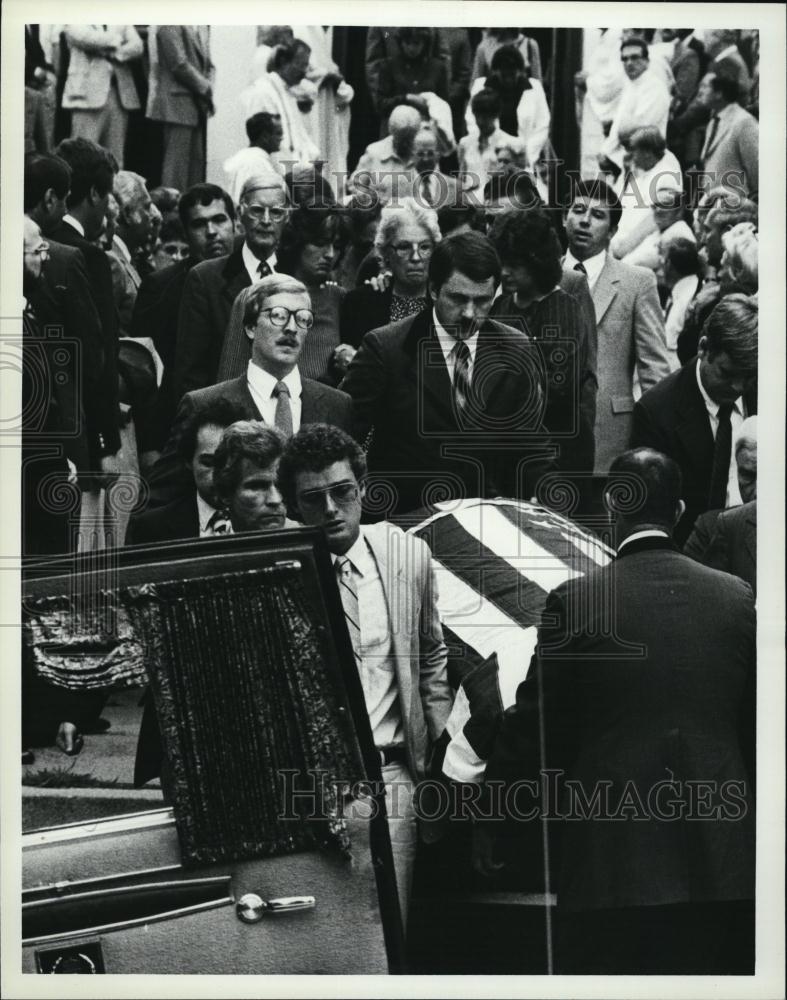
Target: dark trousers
{"x":699,"y":939}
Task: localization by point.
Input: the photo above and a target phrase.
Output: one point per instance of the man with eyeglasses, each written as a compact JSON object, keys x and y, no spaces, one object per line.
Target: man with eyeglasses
{"x":386,"y":582}
{"x":431,"y":187}
{"x":644,"y":101}
{"x":211,"y":287}
{"x":277,"y":319}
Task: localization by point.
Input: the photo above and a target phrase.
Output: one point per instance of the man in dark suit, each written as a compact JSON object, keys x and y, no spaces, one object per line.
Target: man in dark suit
{"x":207,"y":214}
{"x":647,"y":729}
{"x":211,"y":287}
{"x":92,"y":175}
{"x":277,"y":319}
{"x":451,"y":400}
{"x":693,"y":414}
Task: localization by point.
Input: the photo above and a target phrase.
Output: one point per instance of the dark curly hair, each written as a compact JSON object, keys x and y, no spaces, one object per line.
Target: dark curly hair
{"x":222,"y":413}
{"x":528,"y":239}
{"x":311,"y":223}
{"x":313,"y":448}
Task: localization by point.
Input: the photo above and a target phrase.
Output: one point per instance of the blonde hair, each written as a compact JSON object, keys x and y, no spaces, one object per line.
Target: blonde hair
{"x":741,"y":252}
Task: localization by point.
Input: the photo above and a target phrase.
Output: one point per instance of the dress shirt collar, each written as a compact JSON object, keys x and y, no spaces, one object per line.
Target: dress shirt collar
{"x":120,"y":244}
{"x":726,"y":112}
{"x":74,"y":223}
{"x":725,"y":52}
{"x":593,"y":265}
{"x":684,"y":288}
{"x":359,"y":555}
{"x":264,"y":383}
{"x":204,"y":513}
{"x":710,"y":406}
{"x":252,"y":263}
{"x":447,"y":342}
{"x":645,"y":533}
{"x":389,"y":153}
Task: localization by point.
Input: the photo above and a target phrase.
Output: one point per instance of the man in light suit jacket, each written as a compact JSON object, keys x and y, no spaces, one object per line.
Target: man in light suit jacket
{"x":388,"y":592}
{"x":259,"y":394}
{"x":181,"y":96}
{"x":731,"y":151}
{"x":629,"y":318}
{"x":451,"y":400}
{"x":100,"y":89}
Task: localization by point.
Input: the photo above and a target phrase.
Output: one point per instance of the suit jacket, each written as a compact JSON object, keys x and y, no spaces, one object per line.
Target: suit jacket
{"x":732,"y":158}
{"x":181,"y":76}
{"x":671,"y":417}
{"x":62,"y":299}
{"x":402,"y":396}
{"x":100,"y":275}
{"x":664,"y":697}
{"x":156,"y":315}
{"x":701,"y":534}
{"x":733,"y":547}
{"x":630,"y":335}
{"x":178,"y":519}
{"x":363,"y":309}
{"x":405,"y":566}
{"x":321,"y":404}
{"x":208,"y":293}
{"x":90,"y":73}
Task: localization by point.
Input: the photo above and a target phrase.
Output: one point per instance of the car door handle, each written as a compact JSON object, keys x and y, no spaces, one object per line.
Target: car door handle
{"x":251,"y":908}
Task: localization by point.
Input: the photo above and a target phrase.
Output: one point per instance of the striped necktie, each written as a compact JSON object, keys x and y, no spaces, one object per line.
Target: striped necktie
{"x":219,"y":524}
{"x":349,"y":596}
{"x":579,"y":266}
{"x":283,"y":416}
{"x":461,"y":385}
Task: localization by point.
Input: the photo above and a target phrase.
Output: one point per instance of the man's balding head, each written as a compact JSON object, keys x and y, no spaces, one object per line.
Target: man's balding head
{"x":644,"y":491}
{"x":403,"y":118}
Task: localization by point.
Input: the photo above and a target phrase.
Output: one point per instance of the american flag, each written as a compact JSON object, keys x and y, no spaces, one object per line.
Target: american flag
{"x":495,"y":562}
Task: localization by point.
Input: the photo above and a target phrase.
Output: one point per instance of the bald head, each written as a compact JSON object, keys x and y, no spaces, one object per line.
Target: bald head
{"x":404,"y":118}
{"x":644,"y":490}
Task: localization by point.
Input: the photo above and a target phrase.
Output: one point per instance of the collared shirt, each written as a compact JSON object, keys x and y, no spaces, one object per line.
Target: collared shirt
{"x":593,"y":265}
{"x":261,"y":385}
{"x":119,"y":244}
{"x":252,"y":263}
{"x":683,"y":292}
{"x":447,"y":345}
{"x":477,"y":157}
{"x":736,"y":419}
{"x":377,"y":668}
{"x":381,"y":169}
{"x":247,"y":163}
{"x":645,"y":533}
{"x":204,"y":513}
{"x":75,"y":223}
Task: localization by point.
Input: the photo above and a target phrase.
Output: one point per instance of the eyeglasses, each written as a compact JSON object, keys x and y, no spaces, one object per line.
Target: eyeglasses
{"x":280,"y":317}
{"x":405,"y":250}
{"x":313,"y":501}
{"x":42,"y":251}
{"x":258,"y":213}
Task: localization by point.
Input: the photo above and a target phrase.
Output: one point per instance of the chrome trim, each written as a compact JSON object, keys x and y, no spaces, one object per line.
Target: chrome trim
{"x":126,"y":924}
{"x":127,"y":890}
{"x":58,"y":889}
{"x":98,"y":827}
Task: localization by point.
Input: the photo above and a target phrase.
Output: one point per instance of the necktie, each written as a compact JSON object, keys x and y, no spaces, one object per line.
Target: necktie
{"x":722,"y":451}
{"x":579,"y":266}
{"x":426,"y":189}
{"x":711,"y":136}
{"x":349,"y":596}
{"x":264,"y":270}
{"x":219,"y":524}
{"x":461,"y":378}
{"x":283,"y":418}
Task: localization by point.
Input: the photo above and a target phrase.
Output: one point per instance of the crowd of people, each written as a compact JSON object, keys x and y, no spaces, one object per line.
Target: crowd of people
{"x":426,"y":324}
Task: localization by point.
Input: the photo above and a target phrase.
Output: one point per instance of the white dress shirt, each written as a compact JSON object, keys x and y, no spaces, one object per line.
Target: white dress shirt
{"x":644,"y":101}
{"x":261,"y":385}
{"x":447,"y":345}
{"x":247,"y":163}
{"x":377,"y":666}
{"x":204,"y":513}
{"x":645,"y":533}
{"x":252,"y":263}
{"x":593,"y":266}
{"x":675,"y":316}
{"x":736,"y":419}
{"x":270,"y":93}
{"x":75,"y":223}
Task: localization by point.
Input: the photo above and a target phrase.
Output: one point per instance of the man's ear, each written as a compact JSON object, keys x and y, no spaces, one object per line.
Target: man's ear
{"x":249,"y":332}
{"x":93,"y":195}
{"x":702,"y":346}
{"x":362,"y":489}
{"x":680,"y":510}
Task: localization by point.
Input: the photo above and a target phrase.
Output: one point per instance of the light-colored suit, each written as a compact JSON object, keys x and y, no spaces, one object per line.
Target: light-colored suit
{"x":733,"y":150}
{"x":125,"y":285}
{"x":405,"y":567}
{"x":630,"y":334}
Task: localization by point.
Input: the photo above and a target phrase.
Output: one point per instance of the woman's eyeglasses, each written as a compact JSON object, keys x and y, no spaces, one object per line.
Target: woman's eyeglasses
{"x":280,"y":317}
{"x":405,"y":250}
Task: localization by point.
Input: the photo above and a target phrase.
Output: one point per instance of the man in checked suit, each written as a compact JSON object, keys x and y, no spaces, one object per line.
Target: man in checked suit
{"x":389,"y":597}
{"x":647,"y":727}
{"x":451,"y":400}
{"x":181,"y":96}
{"x":276,"y":319}
{"x":212,"y":286}
{"x":628,"y":316}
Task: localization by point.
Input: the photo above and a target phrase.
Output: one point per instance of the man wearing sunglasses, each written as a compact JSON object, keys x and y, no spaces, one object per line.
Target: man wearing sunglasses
{"x":386,"y":583}
{"x":277,"y":320}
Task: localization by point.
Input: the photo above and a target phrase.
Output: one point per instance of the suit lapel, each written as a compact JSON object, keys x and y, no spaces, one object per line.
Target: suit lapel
{"x":606,"y":289}
{"x":241,"y":396}
{"x":693,"y":424}
{"x":235,"y":276}
{"x":428,"y":368}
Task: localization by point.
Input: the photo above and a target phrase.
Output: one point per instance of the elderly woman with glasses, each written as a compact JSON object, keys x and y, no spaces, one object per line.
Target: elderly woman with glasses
{"x":311,"y":244}
{"x":405,"y":239}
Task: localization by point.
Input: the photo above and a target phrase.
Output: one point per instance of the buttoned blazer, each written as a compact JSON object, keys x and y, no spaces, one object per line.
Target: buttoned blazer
{"x":90,"y":73}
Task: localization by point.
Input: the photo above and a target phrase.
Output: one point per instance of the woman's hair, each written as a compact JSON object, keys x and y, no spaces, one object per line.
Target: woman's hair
{"x":393,"y":217}
{"x":507,"y":57}
{"x":313,"y":222}
{"x":742,"y":255}
{"x":528,"y":239}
